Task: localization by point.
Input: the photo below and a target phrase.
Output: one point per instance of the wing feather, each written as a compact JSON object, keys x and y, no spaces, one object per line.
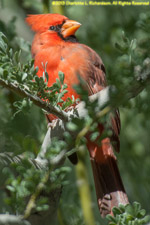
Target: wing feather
{"x":96,"y":81}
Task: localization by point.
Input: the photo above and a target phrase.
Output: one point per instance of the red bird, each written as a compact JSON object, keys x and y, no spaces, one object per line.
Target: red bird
{"x":55,"y":44}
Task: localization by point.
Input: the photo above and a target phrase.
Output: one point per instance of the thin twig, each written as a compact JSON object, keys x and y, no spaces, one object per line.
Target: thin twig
{"x":40,"y":187}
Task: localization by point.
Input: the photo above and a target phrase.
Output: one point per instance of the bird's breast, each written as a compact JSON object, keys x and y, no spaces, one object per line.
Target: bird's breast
{"x":69,"y":61}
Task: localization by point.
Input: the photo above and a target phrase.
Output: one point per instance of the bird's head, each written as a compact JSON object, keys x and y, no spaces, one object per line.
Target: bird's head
{"x":53,"y":25}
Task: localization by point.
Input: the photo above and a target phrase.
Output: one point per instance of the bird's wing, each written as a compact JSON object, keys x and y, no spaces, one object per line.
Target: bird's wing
{"x":96,"y":81}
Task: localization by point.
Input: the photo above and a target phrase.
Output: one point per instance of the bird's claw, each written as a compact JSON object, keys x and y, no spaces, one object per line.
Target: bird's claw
{"x":104,"y":205}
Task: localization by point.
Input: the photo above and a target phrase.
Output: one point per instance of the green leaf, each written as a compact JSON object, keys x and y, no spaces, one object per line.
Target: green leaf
{"x":133,"y":44}
{"x":125,"y":39}
{"x":35,"y":71}
{"x":61,"y":76}
{"x":17,"y":56}
{"x":2,"y":47}
{"x":146,"y":219}
{"x":10,"y":188}
{"x":5,"y":74}
{"x":42,"y":208}
{"x":11,"y":53}
{"x":142,"y":213}
{"x":64,"y":92}
{"x":64,"y":86}
{"x":122,"y":207}
{"x":122,"y":49}
{"x":71,"y":126}
{"x":130,"y":209}
{"x":24,"y":76}
{"x":37,"y":79}
{"x":94,"y":135}
{"x":47,"y":76}
{"x":58,"y":84}
{"x":4,"y":38}
{"x":137,"y":206}
{"x":111,"y":218}
{"x":1,"y":71}
{"x":116,"y":211}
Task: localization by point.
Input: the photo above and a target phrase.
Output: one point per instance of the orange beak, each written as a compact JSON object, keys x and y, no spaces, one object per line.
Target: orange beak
{"x":69,"y":28}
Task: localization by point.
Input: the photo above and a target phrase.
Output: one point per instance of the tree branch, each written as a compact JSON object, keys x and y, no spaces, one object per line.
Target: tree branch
{"x":103,"y":97}
{"x":12,"y":220}
{"x":36,"y":100}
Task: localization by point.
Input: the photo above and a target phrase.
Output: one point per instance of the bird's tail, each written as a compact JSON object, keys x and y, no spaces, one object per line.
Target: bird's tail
{"x":108,"y":184}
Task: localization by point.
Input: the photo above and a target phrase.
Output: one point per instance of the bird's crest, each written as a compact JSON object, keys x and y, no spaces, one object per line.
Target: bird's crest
{"x":42,"y":22}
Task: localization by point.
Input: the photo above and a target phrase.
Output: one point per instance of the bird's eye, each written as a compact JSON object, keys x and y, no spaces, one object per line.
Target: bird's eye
{"x":52,"y":28}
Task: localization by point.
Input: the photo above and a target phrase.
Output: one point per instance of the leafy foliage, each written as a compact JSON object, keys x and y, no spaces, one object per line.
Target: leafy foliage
{"x":128,"y":215}
{"x":24,"y":178}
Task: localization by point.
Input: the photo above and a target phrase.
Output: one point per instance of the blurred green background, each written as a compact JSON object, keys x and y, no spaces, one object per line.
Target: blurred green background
{"x":102,"y":27}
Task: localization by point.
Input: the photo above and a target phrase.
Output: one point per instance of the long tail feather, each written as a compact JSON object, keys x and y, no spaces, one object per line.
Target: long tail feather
{"x":108,"y":184}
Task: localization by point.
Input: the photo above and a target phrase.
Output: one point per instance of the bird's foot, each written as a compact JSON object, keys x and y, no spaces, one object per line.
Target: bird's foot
{"x":105,"y":205}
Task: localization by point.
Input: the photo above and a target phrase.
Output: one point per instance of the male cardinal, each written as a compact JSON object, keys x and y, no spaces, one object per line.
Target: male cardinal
{"x":55,"y":44}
